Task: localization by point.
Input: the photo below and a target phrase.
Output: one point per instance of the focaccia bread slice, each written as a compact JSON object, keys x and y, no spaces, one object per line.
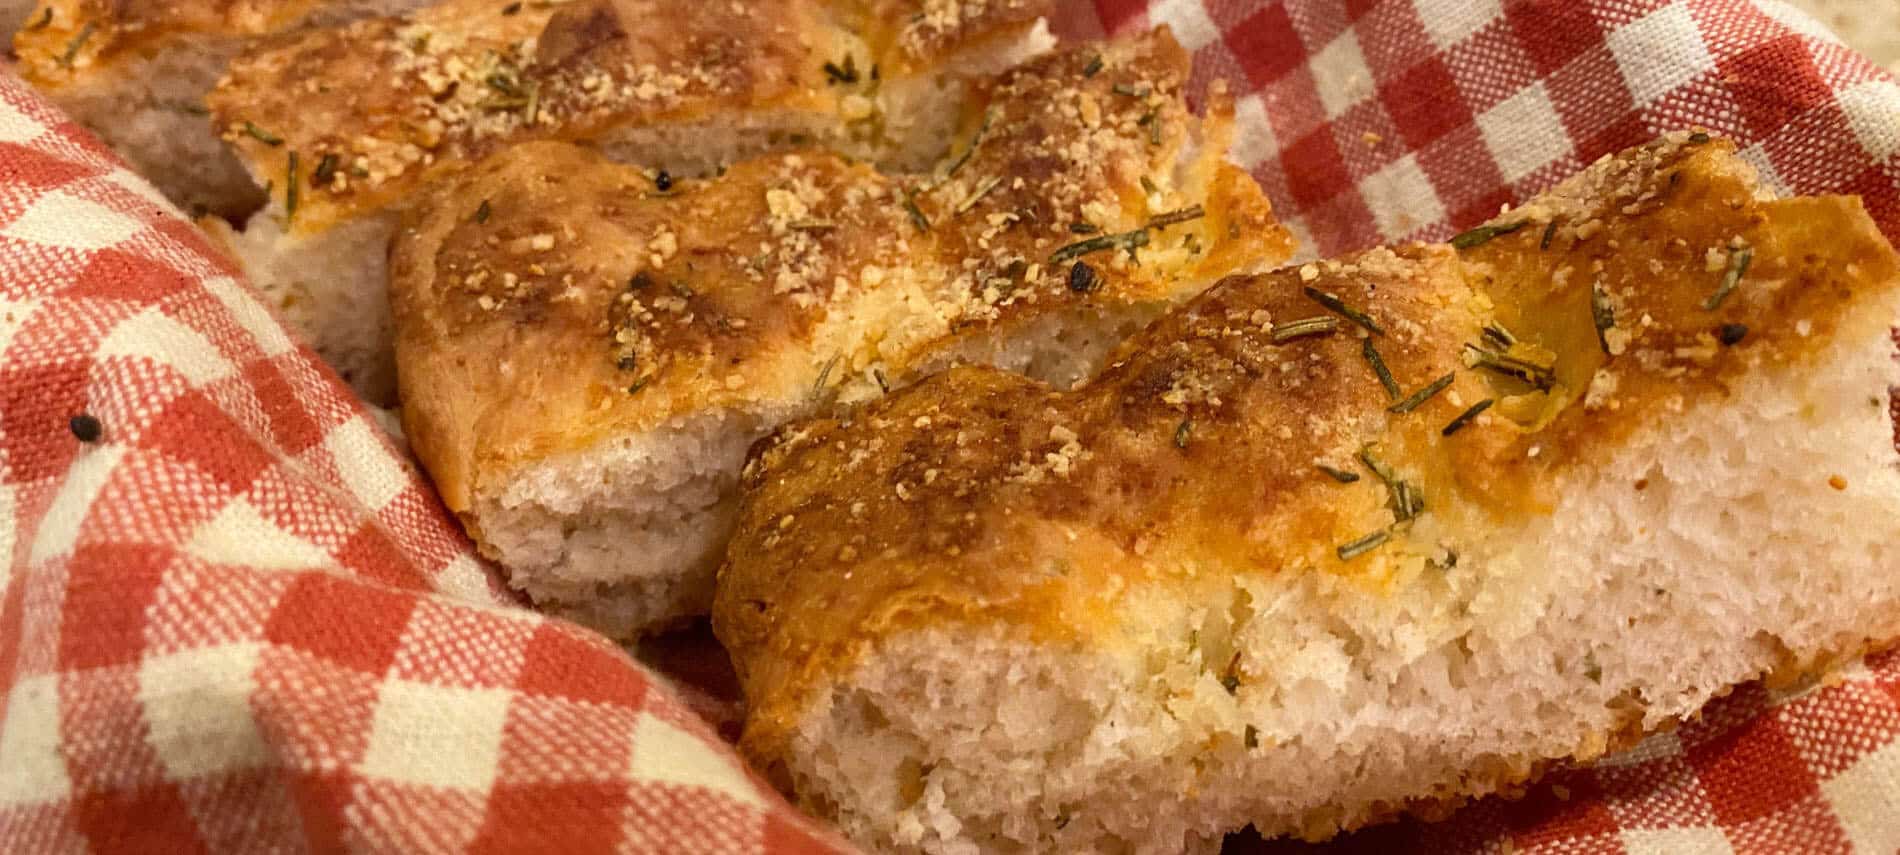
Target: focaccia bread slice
{"x":584,"y":357}
{"x":136,"y":73}
{"x":352,"y":124}
{"x":1635,"y":449}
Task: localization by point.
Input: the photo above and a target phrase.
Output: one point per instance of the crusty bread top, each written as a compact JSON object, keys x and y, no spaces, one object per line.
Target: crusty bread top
{"x":390,"y":102}
{"x":550,"y":299}
{"x":63,"y":40}
{"x":980,"y":496}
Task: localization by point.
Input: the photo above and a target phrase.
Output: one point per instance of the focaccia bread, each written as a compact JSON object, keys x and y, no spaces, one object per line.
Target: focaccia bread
{"x":136,"y":73}
{"x":351,"y":124}
{"x":585,"y":356}
{"x":1634,"y":450}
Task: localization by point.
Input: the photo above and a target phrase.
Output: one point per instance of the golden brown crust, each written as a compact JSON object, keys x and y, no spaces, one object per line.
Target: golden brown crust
{"x":63,"y":39}
{"x":614,"y":306}
{"x":396,"y":102}
{"x":980,"y":496}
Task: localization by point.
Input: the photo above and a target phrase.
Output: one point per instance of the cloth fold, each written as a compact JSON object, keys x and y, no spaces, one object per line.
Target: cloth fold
{"x":238,"y":620}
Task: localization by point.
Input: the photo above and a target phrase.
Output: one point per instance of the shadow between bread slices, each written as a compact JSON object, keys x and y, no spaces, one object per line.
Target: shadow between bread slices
{"x":1629,"y":446}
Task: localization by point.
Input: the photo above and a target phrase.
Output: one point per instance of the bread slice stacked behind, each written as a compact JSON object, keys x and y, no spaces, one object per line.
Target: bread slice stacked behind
{"x":585,"y":354}
{"x":357,"y":122}
{"x":1372,"y":534}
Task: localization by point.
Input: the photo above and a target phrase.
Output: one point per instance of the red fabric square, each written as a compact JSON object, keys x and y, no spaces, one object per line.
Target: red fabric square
{"x":1266,"y":44}
{"x":109,"y":588}
{"x":1750,"y":771}
{"x":372,"y":555}
{"x":564,"y":663}
{"x":1773,"y":83}
{"x":36,"y":400}
{"x":183,"y":432}
{"x":1425,"y":103}
{"x":1315,"y":169}
{"x":1553,"y":33}
{"x":575,"y":817}
{"x":291,"y":427}
{"x":353,"y":624}
{"x":149,"y":818}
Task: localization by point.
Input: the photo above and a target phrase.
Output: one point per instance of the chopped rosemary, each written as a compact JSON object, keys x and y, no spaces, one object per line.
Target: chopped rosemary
{"x":483,"y":212}
{"x":1152,"y":121}
{"x":1354,"y":549}
{"x":1084,"y":228}
{"x":1125,"y":89}
{"x":812,"y":225}
{"x":1323,"y":325}
{"x":883,"y":384}
{"x":325,"y":171}
{"x":983,"y":188}
{"x":290,"y":187}
{"x":511,"y":8}
{"x":982,"y":129}
{"x":824,"y":375}
{"x":1377,"y":467}
{"x":637,"y":386}
{"x":72,"y":47}
{"x":1424,"y":394}
{"x":1529,"y":372}
{"x":1698,"y":138}
{"x":1341,"y":475}
{"x":1148,"y":186}
{"x":1128,"y":240}
{"x":43,"y":21}
{"x":1602,"y":314}
{"x":1732,"y":334}
{"x":1483,"y":234}
{"x":1094,"y":67}
{"x":263,"y":136}
{"x":1497,"y":336}
{"x":1332,"y":301}
{"x":1175,"y":218}
{"x":1386,"y":379}
{"x":1550,"y":231}
{"x":1738,"y":262}
{"x":1465,"y":417}
{"x":1182,"y":433}
{"x":917,"y":217}
{"x":846,"y":73}
{"x":1407,"y":502}
{"x":1082,"y":278}
{"x":1253,"y":737}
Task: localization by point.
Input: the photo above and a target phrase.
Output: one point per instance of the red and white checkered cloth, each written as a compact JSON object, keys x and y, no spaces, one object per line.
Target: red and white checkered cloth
{"x":241,"y":622}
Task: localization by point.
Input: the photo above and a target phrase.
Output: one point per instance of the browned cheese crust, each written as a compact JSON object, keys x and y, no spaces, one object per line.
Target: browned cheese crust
{"x":63,"y":40}
{"x":552,"y":299}
{"x":391,"y":103}
{"x":982,"y":499}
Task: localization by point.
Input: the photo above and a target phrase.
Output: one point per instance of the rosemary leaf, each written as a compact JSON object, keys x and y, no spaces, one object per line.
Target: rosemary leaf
{"x":1738,"y":262}
{"x":1094,"y":67}
{"x":917,"y":217}
{"x":1602,"y":314}
{"x":1343,"y":476}
{"x":1483,"y":234}
{"x":483,"y":212}
{"x":1498,"y":336}
{"x":1182,"y":433}
{"x":1386,"y":379}
{"x":1465,"y":417}
{"x":291,"y":183}
{"x":1537,"y":375}
{"x":79,"y":41}
{"x":983,"y":188}
{"x":1424,"y":394}
{"x":263,"y":136}
{"x":824,"y":376}
{"x":1354,"y":549}
{"x":1173,"y":218}
{"x":1130,"y":240}
{"x":1332,"y":301}
{"x":1550,"y":231}
{"x":1322,"y":325}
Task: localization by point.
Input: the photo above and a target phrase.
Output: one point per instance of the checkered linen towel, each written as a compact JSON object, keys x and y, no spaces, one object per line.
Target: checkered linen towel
{"x":239,"y":621}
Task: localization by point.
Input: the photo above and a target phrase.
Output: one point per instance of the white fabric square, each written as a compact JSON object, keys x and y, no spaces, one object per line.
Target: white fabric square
{"x":152,"y":334}
{"x":1659,"y":52}
{"x":1449,"y":22}
{"x":17,"y":127}
{"x":1518,"y":133}
{"x":1865,"y":798}
{"x":251,"y":315}
{"x":436,"y":736}
{"x":365,"y":464}
{"x":666,"y":754}
{"x":1401,"y":198}
{"x":1188,"y":19}
{"x":198,"y":704}
{"x":1707,"y":840}
{"x":64,"y":220}
{"x":1341,"y":74}
{"x":84,"y":479}
{"x":466,"y":579}
{"x":1253,"y":132}
{"x":31,"y":769}
{"x":1872,"y":108}
{"x":239,"y":534}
